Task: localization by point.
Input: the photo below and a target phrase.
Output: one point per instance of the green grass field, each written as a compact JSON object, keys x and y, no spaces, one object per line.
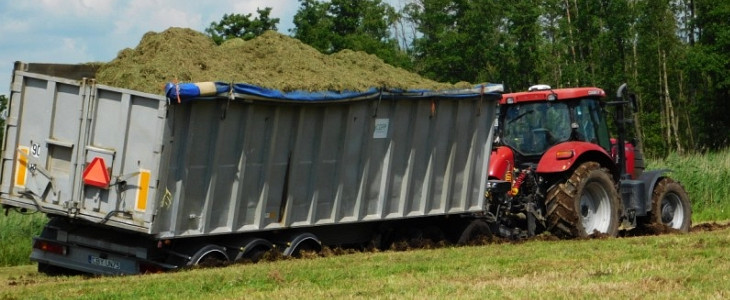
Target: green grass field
{"x":16,"y":230}
{"x":694,"y":265}
{"x":673,"y":266}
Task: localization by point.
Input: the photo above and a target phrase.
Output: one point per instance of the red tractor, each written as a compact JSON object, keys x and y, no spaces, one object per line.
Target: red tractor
{"x":555,"y":168}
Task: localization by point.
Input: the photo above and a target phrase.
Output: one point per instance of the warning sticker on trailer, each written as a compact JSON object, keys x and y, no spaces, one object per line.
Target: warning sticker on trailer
{"x":381,"y":128}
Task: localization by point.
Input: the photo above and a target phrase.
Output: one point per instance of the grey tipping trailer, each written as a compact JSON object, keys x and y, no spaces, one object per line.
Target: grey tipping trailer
{"x":135,"y":182}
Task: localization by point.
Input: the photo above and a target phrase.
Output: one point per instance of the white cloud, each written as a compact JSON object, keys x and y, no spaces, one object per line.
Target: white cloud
{"x":141,"y":16}
{"x":75,"y":8}
{"x":77,"y":31}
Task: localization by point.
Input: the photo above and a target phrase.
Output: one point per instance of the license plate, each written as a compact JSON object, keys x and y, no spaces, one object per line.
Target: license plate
{"x":103,"y":262}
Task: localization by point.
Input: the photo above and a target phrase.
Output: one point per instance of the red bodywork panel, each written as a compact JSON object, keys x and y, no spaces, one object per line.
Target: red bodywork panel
{"x":630,"y":156}
{"x":501,"y":161}
{"x":562,"y":156}
{"x":562,"y":94}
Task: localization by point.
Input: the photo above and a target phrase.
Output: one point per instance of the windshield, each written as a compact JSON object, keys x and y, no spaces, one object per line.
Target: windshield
{"x":591,"y":126}
{"x":532,"y":128}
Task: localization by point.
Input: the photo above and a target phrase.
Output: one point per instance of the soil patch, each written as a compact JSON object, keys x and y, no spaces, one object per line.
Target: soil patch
{"x":709,"y":227}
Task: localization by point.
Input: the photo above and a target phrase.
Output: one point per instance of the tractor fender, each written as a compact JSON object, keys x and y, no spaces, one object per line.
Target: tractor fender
{"x":301,"y":240}
{"x":501,"y":161}
{"x":562,"y":157}
{"x":650,"y":179}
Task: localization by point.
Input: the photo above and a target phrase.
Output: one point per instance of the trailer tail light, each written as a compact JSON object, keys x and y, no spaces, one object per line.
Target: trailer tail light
{"x":51,"y":247}
{"x":565,"y":154}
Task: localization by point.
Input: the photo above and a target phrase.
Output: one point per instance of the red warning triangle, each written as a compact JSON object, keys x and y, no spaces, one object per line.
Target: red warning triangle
{"x":96,"y":174}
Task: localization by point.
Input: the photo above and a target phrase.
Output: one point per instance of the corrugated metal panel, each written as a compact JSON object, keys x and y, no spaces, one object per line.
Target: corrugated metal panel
{"x":213,"y":167}
{"x":63,"y":125}
{"x":268,"y":166}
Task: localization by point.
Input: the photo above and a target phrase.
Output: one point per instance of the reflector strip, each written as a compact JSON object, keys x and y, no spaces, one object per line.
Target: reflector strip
{"x":21,"y":169}
{"x":144,"y":186}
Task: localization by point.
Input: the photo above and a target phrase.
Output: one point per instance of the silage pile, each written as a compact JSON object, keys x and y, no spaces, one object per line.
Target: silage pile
{"x":271,"y":60}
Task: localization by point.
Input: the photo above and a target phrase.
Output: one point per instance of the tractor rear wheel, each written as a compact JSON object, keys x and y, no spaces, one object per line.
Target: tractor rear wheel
{"x":670,"y":206}
{"x":587,"y":203}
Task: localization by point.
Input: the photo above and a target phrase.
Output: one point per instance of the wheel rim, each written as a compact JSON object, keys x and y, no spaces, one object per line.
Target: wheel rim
{"x":595,"y":208}
{"x":672,"y":211}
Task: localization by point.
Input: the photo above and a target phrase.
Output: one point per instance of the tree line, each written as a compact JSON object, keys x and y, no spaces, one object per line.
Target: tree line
{"x":675,"y":54}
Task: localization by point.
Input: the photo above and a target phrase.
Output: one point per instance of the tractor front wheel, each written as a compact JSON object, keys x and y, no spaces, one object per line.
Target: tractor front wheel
{"x":670,"y":206}
{"x":587,"y":203}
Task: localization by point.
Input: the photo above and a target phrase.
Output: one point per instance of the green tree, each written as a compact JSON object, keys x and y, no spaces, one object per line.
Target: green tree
{"x":356,"y":25}
{"x":462,"y":40}
{"x":708,"y":71}
{"x":675,"y":54}
{"x":241,"y":26}
{"x":312,"y":25}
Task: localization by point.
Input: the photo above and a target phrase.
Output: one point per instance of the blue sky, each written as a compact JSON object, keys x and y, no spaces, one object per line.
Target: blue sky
{"x":76,"y":31}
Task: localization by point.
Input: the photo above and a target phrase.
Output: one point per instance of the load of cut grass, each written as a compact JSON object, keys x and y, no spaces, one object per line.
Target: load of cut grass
{"x":271,"y":60}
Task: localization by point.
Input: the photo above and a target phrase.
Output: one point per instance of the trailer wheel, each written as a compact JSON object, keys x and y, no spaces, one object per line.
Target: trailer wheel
{"x":209,"y":256}
{"x":253,"y":250}
{"x":670,"y":206}
{"x":474,"y":231}
{"x":301,"y":244}
{"x":585,"y":204}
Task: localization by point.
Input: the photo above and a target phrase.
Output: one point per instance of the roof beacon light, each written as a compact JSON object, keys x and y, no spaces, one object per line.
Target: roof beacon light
{"x":539,"y":87}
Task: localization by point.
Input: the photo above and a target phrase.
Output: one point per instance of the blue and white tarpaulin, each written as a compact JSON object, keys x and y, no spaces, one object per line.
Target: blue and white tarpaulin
{"x":185,"y":92}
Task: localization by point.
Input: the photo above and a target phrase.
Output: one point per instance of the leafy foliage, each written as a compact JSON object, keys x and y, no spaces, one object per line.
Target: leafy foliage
{"x":675,"y":54}
{"x":356,"y":25}
{"x":241,"y":26}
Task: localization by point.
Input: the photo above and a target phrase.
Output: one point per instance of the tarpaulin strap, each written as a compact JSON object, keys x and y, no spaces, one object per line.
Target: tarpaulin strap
{"x":177,"y":91}
{"x":380,"y":97}
{"x":231,"y":96}
{"x":481,"y":99}
{"x":433,"y":107}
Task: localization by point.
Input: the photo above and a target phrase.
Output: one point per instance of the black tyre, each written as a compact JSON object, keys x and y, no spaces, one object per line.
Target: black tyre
{"x":209,"y":256}
{"x":670,"y":206}
{"x":474,"y":232}
{"x":587,"y":203}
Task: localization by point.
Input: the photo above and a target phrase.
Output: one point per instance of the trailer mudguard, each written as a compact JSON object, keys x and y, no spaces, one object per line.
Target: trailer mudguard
{"x":250,"y":245}
{"x":208,"y":250}
{"x":301,"y":240}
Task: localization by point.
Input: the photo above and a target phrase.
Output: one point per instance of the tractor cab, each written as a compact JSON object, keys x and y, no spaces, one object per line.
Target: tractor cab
{"x":532,"y":122}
